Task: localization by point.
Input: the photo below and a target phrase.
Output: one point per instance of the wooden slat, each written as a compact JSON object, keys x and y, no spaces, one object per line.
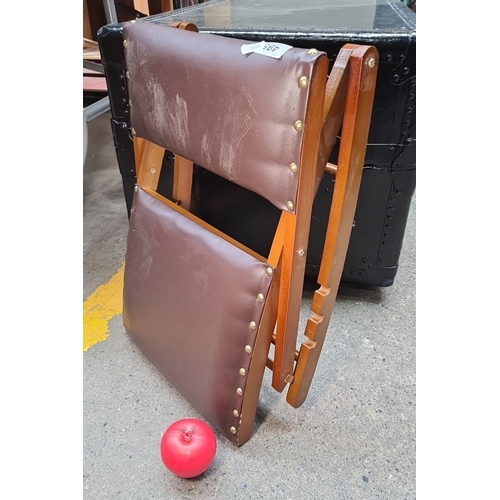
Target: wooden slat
{"x":142,"y":6}
{"x":150,"y":165}
{"x":258,"y":363}
{"x":182,"y":181}
{"x":91,"y":50}
{"x":333,"y":109}
{"x":278,"y":241}
{"x":139,"y":144}
{"x":87,"y":30}
{"x":297,"y":234}
{"x":167,"y":5}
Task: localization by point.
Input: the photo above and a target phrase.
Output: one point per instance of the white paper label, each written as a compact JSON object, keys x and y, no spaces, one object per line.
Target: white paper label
{"x":269,"y":49}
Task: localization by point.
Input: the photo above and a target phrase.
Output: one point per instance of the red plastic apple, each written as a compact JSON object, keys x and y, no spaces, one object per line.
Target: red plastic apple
{"x":188,"y":447}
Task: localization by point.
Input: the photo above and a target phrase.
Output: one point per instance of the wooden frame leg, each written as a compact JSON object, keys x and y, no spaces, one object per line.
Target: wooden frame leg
{"x":182,"y":181}
{"x":359,"y":101}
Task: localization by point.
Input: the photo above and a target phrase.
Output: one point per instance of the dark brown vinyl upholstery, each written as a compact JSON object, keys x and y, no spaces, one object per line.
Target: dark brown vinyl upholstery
{"x":198,"y":96}
{"x":190,"y":298}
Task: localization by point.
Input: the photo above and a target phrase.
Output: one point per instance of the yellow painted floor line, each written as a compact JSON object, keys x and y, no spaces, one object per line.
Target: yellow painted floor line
{"x":98,"y":309}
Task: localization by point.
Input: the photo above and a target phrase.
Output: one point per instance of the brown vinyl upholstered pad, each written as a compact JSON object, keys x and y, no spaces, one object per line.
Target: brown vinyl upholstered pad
{"x":189,"y":300}
{"x":235,"y":116}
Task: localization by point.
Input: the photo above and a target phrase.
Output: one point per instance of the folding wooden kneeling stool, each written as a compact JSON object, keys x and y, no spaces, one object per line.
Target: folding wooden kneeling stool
{"x":201,"y":306}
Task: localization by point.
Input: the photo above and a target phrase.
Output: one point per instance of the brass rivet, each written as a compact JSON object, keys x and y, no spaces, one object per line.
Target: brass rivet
{"x":242,"y":372}
{"x":248,"y":349}
{"x":303,"y":81}
{"x":269,"y":271}
{"x":133,"y":131}
{"x":125,"y":43}
{"x":370,"y":62}
{"x":232,"y":430}
{"x":127,"y":74}
{"x":312,"y":52}
{"x":293,"y":167}
{"x":236,"y":413}
{"x":301,"y":252}
{"x":260,"y":297}
{"x":130,"y":102}
{"x":253,"y":325}
{"x":136,"y":188}
{"x":297,"y":125}
{"x":289,"y":205}
{"x":239,"y":391}
{"x":152,"y":170}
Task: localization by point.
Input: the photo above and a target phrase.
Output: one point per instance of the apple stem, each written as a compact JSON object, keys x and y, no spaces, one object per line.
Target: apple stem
{"x":188,"y":434}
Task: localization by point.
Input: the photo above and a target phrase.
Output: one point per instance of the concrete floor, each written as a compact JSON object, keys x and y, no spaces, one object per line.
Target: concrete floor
{"x":354,"y":438}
